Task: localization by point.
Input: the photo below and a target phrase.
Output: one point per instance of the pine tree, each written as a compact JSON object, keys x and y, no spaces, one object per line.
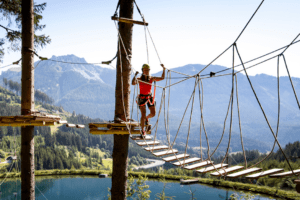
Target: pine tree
{"x":11,"y":10}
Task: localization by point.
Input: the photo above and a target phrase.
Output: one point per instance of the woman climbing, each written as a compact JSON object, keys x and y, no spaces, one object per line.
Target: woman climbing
{"x":145,"y":96}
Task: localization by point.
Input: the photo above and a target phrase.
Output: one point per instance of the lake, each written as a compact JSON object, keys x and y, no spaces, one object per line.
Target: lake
{"x":91,"y":188}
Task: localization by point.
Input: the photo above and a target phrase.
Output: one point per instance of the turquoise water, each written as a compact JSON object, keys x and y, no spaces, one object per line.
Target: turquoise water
{"x":78,"y":188}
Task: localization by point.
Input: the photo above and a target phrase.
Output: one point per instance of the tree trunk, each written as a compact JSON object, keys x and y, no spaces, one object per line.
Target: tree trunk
{"x":120,"y":151}
{"x":27,"y":103}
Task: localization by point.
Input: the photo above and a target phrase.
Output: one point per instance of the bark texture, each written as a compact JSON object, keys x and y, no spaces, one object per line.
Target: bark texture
{"x":27,"y":103}
{"x":120,"y":151}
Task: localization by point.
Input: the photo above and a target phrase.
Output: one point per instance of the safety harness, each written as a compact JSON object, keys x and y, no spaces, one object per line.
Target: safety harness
{"x":148,"y":96}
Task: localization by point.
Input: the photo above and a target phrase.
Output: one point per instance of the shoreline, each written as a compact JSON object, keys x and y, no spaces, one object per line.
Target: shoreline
{"x":213,"y":182}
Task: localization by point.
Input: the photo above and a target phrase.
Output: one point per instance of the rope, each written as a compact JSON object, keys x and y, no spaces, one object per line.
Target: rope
{"x":201,"y":115}
{"x":180,"y":81}
{"x":202,"y":120}
{"x":257,"y":64}
{"x":116,"y":12}
{"x":240,"y":126}
{"x":38,"y":64}
{"x":146,"y":41}
{"x":231,"y":110}
{"x":182,"y":118}
{"x":224,"y":126}
{"x":248,"y":21}
{"x":166,"y":119}
{"x":290,"y":44}
{"x":263,"y":111}
{"x":287,"y":69}
{"x":235,"y":39}
{"x":189,"y":129}
{"x":214,"y":60}
{"x":73,"y":63}
{"x":278,"y":117}
{"x":154,"y":45}
{"x":6,"y":66}
{"x":254,"y":58}
{"x":122,"y":84}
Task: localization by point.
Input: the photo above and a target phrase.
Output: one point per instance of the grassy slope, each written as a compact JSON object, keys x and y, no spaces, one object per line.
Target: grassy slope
{"x":54,"y":129}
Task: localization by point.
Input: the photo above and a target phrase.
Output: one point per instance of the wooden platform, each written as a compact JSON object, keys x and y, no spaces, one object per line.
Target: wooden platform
{"x":189,"y":181}
{"x":163,"y":153}
{"x":139,"y":137}
{"x":222,"y":172}
{"x":148,"y":143}
{"x":115,"y":128}
{"x":212,"y":168}
{"x":244,"y":172}
{"x":289,"y":173}
{"x":198,"y":165}
{"x":264,"y":173}
{"x":186,"y":161}
{"x":179,"y":156}
{"x":35,"y":119}
{"x":156,"y":148}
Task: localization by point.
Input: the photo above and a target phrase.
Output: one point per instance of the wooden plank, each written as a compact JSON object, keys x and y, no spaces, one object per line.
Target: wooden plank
{"x":44,"y":119}
{"x":244,"y":172}
{"x":62,"y":122}
{"x":17,"y":124}
{"x":297,"y":181}
{"x":147,"y":143}
{"x":212,"y":168}
{"x":176,"y":157}
{"x":156,"y":148}
{"x":147,"y":137}
{"x":111,"y":125}
{"x":71,"y":125}
{"x":80,"y":126}
{"x":130,"y":21}
{"x":264,"y":173}
{"x":198,"y":165}
{"x":130,"y":123}
{"x":93,"y":125}
{"x":289,"y":173}
{"x":163,"y":153}
{"x":21,"y":119}
{"x":186,"y":161}
{"x":118,"y":132}
{"x":221,"y":172}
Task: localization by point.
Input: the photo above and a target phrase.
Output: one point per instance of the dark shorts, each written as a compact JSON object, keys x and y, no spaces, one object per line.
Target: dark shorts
{"x":143,"y":99}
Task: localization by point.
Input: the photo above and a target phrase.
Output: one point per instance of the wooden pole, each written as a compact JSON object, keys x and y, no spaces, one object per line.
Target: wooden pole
{"x":27,"y":103}
{"x":120,"y":150}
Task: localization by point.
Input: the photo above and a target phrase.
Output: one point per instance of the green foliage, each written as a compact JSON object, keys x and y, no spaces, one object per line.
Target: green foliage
{"x":162,"y":195}
{"x":11,"y":11}
{"x":242,"y":196}
{"x":2,"y":154}
{"x":191,"y":193}
{"x":135,"y":189}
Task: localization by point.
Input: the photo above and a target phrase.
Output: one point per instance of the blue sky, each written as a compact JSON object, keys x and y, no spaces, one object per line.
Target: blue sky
{"x":184,"y":32}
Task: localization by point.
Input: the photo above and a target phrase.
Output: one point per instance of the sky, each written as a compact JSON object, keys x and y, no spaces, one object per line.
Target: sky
{"x":184,"y":32}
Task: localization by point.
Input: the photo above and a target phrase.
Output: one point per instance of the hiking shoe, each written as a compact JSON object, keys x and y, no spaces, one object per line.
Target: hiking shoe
{"x":143,"y":133}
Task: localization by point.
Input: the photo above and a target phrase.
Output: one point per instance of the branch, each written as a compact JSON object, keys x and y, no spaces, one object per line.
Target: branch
{"x":7,"y":29}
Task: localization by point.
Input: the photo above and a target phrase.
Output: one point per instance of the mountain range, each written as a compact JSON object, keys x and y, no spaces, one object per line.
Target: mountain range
{"x":90,"y":90}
